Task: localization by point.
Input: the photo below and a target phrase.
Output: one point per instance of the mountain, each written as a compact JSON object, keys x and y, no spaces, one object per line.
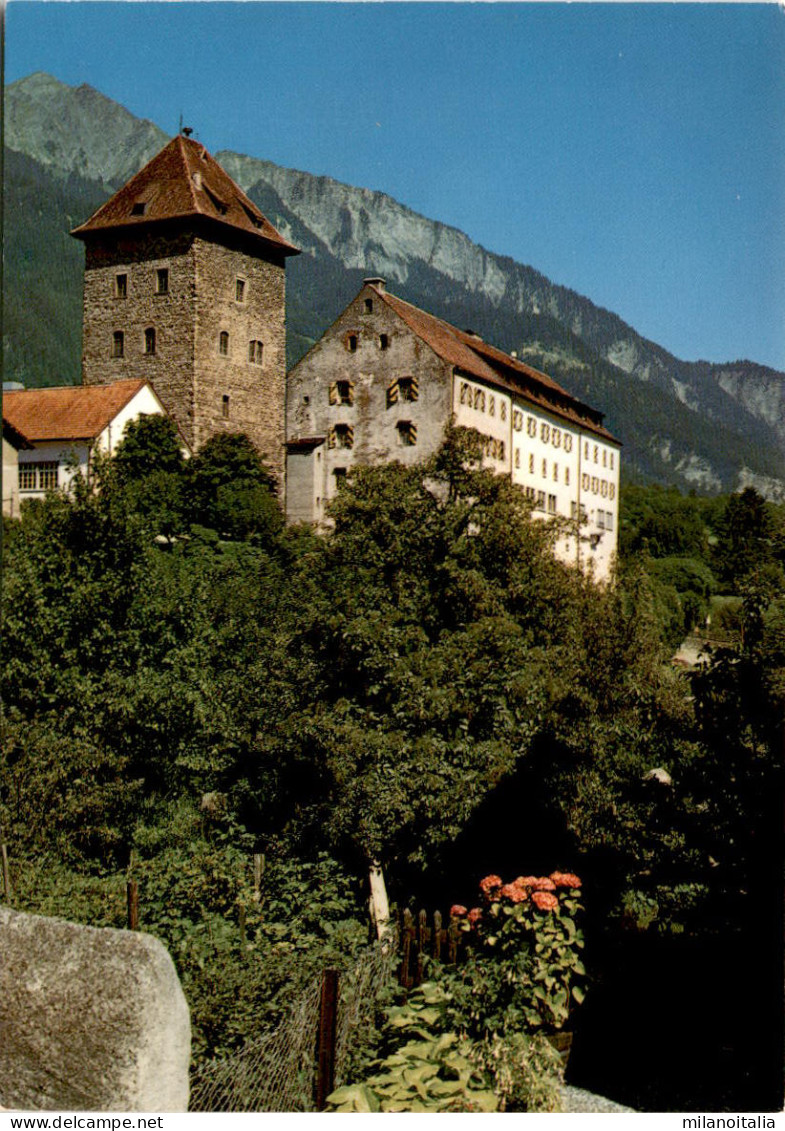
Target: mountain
{"x":694,"y":424}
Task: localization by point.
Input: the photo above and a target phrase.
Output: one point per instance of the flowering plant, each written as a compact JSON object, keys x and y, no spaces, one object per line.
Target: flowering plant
{"x":525,"y":971}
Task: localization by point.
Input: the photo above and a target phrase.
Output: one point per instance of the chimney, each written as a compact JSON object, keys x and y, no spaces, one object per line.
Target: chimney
{"x":380,"y":284}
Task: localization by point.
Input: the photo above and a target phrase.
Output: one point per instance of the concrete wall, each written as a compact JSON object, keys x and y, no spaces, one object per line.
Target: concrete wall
{"x":10,"y":480}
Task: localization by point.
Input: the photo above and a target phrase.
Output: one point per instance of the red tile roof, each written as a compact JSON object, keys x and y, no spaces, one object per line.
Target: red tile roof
{"x":477,"y":358}
{"x":183,"y":182}
{"x":73,"y":412}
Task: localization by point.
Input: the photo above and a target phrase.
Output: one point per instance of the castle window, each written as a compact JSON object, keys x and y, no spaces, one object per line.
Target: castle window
{"x":551,"y":504}
{"x":256,"y":352}
{"x":384,"y":341}
{"x":351,"y":343}
{"x":342,"y":392}
{"x":342,"y":436}
{"x":149,"y":340}
{"x":225,"y":406}
{"x":239,"y":290}
{"x":223,"y":343}
{"x":121,"y":286}
{"x":118,"y":344}
{"x":162,"y":281}
{"x":369,"y":306}
{"x":407,"y":433}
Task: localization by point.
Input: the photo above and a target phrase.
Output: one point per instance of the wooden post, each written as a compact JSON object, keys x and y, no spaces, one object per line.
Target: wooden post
{"x":325,"y":1056}
{"x":132,"y":899}
{"x":258,"y":872}
{"x":437,"y":935}
{"x":6,"y":873}
{"x":407,"y":937}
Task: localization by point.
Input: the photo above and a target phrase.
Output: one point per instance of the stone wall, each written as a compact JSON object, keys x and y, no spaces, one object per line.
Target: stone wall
{"x":91,"y":1020}
{"x":370,"y":364}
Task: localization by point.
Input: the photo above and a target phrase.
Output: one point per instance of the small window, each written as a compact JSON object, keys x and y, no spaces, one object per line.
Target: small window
{"x":567,"y":442}
{"x":503,"y":410}
{"x":339,"y":474}
{"x":162,"y":281}
{"x":351,"y":343}
{"x":479,"y":400}
{"x":601,"y":519}
{"x":118,"y":344}
{"x":611,"y":490}
{"x":342,"y":436}
{"x":531,"y":463}
{"x":609,"y":520}
{"x":121,"y":286}
{"x":545,"y":469}
{"x":369,"y":306}
{"x":556,"y":437}
{"x":27,"y":477}
{"x":491,"y":405}
{"x":225,"y":406}
{"x":595,"y":484}
{"x":551,"y":504}
{"x":540,"y":501}
{"x":556,"y":473}
{"x":344,"y":392}
{"x":531,"y":426}
{"x":384,"y":341}
{"x":38,"y":476}
{"x":545,"y":433}
{"x":408,"y":388}
{"x":149,"y":340}
{"x":604,"y":457}
{"x":256,"y":352}
{"x":239,"y":290}
{"x":611,"y":461}
{"x":223,"y":343}
{"x":517,"y":457}
{"x":585,"y":481}
{"x":139,"y":208}
{"x":586,"y":449}
{"x":567,"y":476}
{"x":407,"y":433}
{"x":596,"y":453}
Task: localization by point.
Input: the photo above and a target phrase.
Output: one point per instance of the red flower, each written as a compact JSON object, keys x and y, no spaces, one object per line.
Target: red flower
{"x":515,"y":892}
{"x":541,"y":883}
{"x":475,"y":915}
{"x":490,"y":884}
{"x":565,"y":879}
{"x":545,"y":901}
{"x":457,"y":910}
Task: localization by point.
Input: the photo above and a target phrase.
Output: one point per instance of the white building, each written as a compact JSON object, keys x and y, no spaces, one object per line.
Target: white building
{"x":386,"y":379}
{"x":62,"y":428}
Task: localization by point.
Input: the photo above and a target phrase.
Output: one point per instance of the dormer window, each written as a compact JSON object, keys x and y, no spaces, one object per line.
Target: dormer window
{"x":162,"y":281}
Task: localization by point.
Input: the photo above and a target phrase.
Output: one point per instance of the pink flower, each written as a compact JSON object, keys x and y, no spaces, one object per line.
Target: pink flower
{"x":475,"y":915}
{"x":541,"y":883}
{"x":565,"y":879}
{"x":490,"y":884}
{"x":457,"y":910}
{"x":545,"y":901}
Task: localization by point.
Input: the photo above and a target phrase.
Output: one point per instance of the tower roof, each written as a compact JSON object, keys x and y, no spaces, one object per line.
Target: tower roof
{"x":183,"y":182}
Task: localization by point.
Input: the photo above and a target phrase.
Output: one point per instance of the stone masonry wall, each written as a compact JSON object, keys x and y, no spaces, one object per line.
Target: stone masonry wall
{"x":234,"y":393}
{"x":371,"y":369}
{"x":172,"y":315}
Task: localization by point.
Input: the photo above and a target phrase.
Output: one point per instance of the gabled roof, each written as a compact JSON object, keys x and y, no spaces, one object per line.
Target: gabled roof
{"x":474,"y":357}
{"x":183,"y":182}
{"x":72,"y":412}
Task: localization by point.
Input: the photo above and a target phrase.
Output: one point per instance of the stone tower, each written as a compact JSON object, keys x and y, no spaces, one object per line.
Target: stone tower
{"x":185,"y":286}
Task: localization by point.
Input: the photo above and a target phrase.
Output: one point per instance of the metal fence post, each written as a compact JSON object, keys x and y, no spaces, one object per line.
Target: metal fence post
{"x":328,"y":1016}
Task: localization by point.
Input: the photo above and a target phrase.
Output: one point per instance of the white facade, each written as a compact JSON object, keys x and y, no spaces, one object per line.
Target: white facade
{"x":51,"y":464}
{"x":566,"y":471}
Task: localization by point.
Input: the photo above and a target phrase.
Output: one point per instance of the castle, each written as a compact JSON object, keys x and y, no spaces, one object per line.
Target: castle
{"x":185,"y":288}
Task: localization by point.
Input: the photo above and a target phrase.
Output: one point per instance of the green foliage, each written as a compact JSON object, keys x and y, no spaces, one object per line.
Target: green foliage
{"x":149,"y":444}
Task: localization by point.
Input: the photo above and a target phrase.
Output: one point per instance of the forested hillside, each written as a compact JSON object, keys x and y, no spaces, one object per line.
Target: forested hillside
{"x":187,"y":681}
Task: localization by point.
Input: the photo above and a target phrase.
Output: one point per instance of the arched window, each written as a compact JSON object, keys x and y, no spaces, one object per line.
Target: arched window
{"x":223,"y":343}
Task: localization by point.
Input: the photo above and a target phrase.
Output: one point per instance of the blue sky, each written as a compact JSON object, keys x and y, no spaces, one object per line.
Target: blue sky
{"x":633,"y":152}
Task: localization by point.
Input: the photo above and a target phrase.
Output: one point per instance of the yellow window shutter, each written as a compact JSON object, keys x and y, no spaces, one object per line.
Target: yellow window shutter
{"x":415,"y":388}
{"x":392,"y":392}
{"x":334,"y":392}
{"x":331,"y":438}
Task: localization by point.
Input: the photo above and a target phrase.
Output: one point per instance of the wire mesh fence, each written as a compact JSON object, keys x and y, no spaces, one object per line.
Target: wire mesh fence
{"x":277,"y":1071}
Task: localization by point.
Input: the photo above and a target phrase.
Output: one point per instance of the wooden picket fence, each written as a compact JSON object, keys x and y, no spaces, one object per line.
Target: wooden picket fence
{"x":435,"y":936}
